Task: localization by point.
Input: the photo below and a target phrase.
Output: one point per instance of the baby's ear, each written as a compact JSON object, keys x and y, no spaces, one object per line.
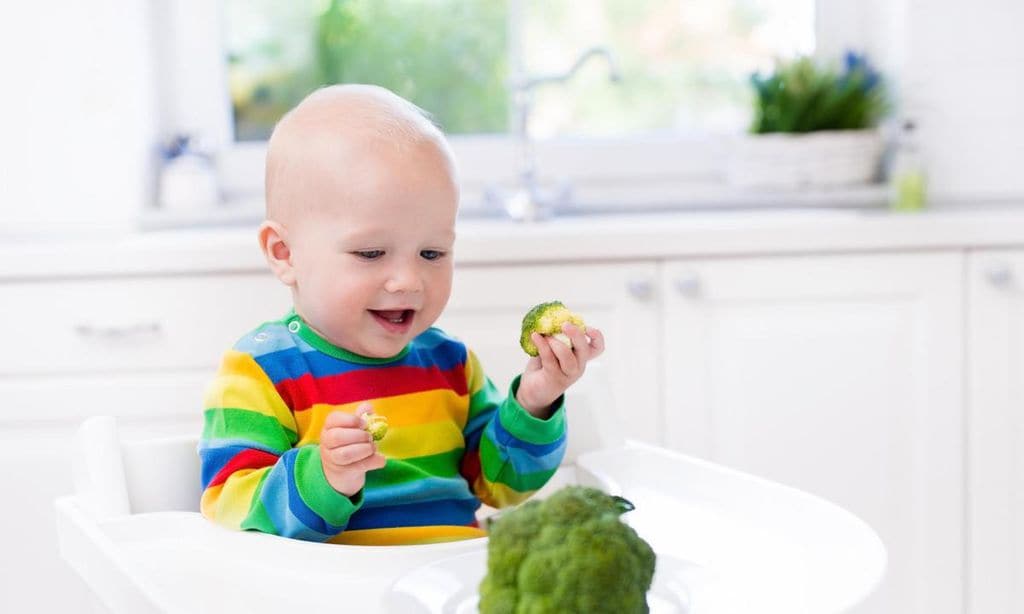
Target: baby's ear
{"x":276,"y":251}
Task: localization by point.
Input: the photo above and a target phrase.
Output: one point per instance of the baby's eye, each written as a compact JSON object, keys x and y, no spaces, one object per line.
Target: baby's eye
{"x":370,"y":254}
{"x":431,"y":254}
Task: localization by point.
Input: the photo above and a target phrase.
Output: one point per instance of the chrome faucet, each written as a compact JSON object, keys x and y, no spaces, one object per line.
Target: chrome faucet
{"x":528,"y":202}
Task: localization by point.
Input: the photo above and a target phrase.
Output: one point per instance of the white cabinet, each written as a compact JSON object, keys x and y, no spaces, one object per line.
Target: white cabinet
{"x":488,"y":303}
{"x":996,"y":432}
{"x":139,"y":348}
{"x":840,"y":375}
{"x":131,"y":324}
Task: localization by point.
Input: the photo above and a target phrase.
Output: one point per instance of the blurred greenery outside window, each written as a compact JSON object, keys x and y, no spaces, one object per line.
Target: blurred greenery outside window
{"x":685,"y":63}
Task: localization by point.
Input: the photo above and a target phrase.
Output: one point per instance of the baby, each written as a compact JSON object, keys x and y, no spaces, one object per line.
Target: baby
{"x":361,"y":197}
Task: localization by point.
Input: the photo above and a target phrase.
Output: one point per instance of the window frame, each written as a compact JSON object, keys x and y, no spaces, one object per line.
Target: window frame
{"x":616,"y":173}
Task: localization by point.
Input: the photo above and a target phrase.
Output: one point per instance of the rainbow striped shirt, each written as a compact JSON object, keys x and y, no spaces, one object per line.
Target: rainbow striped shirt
{"x":453,"y":440}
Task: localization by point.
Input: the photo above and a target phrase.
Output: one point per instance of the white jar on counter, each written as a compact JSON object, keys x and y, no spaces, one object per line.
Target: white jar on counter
{"x":188,"y":179}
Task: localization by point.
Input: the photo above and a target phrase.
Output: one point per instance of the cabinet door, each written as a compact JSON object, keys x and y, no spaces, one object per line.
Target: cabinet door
{"x":840,"y":375}
{"x":487,"y":307}
{"x":995,"y":440}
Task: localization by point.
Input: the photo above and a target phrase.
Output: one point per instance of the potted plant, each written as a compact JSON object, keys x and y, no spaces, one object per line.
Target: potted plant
{"x":814,"y":126}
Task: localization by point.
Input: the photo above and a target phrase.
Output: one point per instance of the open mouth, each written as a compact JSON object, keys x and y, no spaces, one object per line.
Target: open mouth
{"x":394,"y":320}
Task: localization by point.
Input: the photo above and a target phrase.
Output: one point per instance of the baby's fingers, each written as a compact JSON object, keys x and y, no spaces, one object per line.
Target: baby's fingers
{"x":567,"y":362}
{"x":370,"y":463}
{"x":548,"y":359}
{"x":350,"y":454}
{"x":555,"y":355}
{"x":342,"y":419}
{"x":580,"y":345}
{"x":543,"y":350}
{"x":338,"y":436}
{"x":346,"y":420}
{"x":596,"y":342}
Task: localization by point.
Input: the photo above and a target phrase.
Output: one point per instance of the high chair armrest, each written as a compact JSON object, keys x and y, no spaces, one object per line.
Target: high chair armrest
{"x":102,"y":563}
{"x":705,"y":511}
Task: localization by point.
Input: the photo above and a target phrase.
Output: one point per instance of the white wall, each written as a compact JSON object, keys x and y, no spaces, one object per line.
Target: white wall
{"x":961,"y":70}
{"x":966,"y":73}
{"x":78,"y":115}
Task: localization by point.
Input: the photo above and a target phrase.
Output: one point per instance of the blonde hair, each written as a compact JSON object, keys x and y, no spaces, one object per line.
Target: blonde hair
{"x":336,"y":117}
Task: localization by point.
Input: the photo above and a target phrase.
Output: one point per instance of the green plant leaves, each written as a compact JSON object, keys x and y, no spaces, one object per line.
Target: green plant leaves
{"x":803,"y":95}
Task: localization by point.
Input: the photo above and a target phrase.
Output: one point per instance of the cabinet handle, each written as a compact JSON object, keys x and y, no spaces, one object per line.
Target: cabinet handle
{"x":1000,"y":275}
{"x":119,"y":333}
{"x":688,"y":285}
{"x":640,"y":289}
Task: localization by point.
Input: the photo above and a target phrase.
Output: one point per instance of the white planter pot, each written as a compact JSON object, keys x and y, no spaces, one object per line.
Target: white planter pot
{"x":825,"y":159}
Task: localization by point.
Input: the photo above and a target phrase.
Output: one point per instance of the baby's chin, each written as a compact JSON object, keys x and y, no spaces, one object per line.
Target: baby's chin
{"x":367,"y":348}
{"x":383,"y":352}
{"x":389,"y":347}
{"x":372,"y":343}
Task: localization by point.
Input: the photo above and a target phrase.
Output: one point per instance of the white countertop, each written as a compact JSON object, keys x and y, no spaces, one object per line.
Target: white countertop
{"x":568,"y":239}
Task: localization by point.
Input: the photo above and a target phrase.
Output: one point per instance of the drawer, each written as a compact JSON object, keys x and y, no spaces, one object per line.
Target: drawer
{"x":132,"y":324}
{"x":54,"y":405}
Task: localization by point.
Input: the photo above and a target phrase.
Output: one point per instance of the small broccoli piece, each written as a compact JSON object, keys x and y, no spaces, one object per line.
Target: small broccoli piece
{"x":568,"y":553}
{"x":547,"y":319}
{"x":376,"y":425}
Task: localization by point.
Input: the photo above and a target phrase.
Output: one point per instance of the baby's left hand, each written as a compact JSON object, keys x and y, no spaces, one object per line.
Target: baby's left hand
{"x":548,"y":375}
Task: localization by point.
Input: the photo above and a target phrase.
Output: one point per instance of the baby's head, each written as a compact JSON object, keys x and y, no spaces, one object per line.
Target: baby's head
{"x":361,"y":200}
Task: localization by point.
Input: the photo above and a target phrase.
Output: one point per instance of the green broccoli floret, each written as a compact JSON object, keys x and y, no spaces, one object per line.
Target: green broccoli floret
{"x":568,"y":553}
{"x":376,"y":425}
{"x":547,"y":319}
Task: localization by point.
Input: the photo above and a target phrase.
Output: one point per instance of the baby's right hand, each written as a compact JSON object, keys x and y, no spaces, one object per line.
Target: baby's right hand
{"x":347,"y":451}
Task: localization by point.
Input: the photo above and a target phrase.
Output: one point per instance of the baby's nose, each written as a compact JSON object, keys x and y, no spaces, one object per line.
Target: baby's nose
{"x":403,"y":280}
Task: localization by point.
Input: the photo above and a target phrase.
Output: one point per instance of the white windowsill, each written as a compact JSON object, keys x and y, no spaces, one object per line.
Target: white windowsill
{"x":649,"y":196}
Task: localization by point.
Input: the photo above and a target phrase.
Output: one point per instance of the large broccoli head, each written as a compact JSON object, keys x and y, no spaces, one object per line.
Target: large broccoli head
{"x":547,"y":319}
{"x":568,"y":553}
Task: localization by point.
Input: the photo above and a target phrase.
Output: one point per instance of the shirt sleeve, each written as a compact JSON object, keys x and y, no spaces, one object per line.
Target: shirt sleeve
{"x":509,"y":454}
{"x":253,"y":476}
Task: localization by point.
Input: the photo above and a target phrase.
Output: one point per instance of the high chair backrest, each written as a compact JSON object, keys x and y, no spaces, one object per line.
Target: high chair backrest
{"x":116,"y":478}
{"x":162,"y":474}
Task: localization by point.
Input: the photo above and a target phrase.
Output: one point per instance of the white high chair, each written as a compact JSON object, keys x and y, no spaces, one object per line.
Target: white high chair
{"x":727,"y":542}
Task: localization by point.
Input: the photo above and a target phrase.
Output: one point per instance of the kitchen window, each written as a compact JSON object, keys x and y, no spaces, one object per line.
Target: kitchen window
{"x":656,"y":135}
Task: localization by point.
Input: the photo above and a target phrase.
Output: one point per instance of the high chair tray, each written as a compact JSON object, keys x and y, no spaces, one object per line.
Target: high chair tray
{"x":727,"y":542}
